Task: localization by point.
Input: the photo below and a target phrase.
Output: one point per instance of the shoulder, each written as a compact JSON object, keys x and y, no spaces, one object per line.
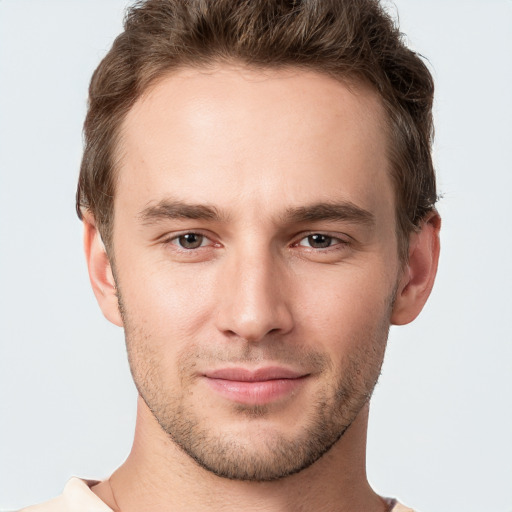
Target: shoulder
{"x":76,"y":496}
{"x":394,"y":506}
{"x":401,"y":508}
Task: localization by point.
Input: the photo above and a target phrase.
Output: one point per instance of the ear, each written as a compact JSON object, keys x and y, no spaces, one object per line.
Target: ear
{"x":420,"y":271}
{"x":100,"y":271}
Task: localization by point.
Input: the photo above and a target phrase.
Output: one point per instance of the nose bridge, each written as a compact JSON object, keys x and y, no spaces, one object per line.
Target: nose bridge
{"x":252,"y":302}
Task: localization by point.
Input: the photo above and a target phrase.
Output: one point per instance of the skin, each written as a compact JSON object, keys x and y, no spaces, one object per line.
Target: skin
{"x":248,"y":164}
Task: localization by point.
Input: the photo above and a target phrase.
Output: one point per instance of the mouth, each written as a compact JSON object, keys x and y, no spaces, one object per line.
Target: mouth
{"x":255,"y":387}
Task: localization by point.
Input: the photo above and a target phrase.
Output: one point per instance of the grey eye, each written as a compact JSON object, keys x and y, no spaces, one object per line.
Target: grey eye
{"x":191,"y":241}
{"x":318,"y":241}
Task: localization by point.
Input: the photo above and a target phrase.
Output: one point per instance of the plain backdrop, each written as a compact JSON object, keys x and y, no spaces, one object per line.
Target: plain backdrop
{"x":440,"y":434}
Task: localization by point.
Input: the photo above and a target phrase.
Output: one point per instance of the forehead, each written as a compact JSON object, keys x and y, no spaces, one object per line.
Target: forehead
{"x":246,"y":138}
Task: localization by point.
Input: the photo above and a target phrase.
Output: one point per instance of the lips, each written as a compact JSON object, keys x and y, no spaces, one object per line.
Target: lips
{"x":255,"y":387}
{"x":258,"y":375}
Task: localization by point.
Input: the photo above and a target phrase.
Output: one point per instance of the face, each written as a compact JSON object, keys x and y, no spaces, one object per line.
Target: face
{"x":255,"y":261}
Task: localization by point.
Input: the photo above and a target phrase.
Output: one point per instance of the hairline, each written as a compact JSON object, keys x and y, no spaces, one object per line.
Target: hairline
{"x":353,"y":81}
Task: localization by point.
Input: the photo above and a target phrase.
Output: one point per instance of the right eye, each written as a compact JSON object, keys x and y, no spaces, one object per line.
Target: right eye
{"x":190,"y":241}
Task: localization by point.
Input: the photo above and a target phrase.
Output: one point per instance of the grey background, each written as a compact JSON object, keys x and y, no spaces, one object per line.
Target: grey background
{"x":440,"y":435}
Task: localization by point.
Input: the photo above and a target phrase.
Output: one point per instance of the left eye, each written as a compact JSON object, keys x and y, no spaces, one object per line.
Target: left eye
{"x":319,"y":241}
{"x":190,"y":241}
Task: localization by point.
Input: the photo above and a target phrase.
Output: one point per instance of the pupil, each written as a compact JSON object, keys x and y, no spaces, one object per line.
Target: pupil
{"x":191,"y":241}
{"x":319,"y":241}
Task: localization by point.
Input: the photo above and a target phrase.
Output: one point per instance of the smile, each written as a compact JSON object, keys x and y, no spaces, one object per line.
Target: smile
{"x":255,"y":387}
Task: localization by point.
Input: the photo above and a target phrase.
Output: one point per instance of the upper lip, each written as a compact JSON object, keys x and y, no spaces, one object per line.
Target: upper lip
{"x":254,"y":375}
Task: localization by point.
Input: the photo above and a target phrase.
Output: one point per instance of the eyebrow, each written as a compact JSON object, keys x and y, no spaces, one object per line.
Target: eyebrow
{"x":338,"y":211}
{"x":172,"y":209}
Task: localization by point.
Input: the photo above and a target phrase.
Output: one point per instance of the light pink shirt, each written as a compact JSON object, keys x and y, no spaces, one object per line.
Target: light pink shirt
{"x":78,"y":497}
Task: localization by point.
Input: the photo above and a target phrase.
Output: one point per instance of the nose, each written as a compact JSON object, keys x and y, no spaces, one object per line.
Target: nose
{"x":253,"y":300}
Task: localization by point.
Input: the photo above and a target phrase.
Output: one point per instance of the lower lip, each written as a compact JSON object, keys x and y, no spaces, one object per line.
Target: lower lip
{"x":256,"y":393}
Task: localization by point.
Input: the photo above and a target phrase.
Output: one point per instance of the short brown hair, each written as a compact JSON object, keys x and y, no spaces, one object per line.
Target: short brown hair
{"x":346,"y":39}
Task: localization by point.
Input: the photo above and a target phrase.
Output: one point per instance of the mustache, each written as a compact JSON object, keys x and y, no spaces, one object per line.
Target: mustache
{"x":254,"y":354}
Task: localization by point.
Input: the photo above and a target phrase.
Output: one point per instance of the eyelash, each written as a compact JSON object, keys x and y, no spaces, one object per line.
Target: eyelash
{"x":336,"y":243}
{"x":174,"y":240}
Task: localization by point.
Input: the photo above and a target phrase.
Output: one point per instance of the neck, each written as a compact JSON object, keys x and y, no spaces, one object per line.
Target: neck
{"x":159,"y":476}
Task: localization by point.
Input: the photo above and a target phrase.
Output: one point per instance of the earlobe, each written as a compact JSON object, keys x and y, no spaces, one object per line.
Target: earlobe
{"x":420,"y":271}
{"x":100,"y":272}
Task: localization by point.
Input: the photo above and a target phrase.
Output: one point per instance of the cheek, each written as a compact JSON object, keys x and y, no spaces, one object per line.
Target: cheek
{"x":344,"y":306}
{"x":165,"y":313}
{"x":168,"y":303}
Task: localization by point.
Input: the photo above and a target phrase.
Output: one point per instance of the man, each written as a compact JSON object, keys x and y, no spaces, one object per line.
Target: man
{"x":258,"y":200}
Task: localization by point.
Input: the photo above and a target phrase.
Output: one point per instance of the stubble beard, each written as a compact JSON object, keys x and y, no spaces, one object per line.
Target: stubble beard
{"x":275,"y":455}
